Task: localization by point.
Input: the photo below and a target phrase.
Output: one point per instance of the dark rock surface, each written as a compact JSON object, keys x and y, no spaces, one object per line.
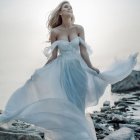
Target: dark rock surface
{"x":19,"y":130}
{"x":130,"y":83}
{"x":18,"y":136}
{"x":123,"y":133}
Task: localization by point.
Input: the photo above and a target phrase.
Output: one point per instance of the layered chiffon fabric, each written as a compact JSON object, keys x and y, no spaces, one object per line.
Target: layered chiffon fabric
{"x":56,"y":95}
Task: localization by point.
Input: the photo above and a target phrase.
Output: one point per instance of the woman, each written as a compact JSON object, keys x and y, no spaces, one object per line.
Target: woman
{"x":63,"y":29}
{"x":56,"y":95}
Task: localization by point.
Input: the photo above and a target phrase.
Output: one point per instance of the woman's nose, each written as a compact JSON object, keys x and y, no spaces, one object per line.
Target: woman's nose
{"x":69,"y":8}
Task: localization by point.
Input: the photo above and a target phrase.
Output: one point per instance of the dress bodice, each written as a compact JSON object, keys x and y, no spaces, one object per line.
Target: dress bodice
{"x":66,"y":47}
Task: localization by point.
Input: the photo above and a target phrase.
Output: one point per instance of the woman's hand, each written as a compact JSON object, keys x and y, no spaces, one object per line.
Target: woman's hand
{"x":97,"y":70}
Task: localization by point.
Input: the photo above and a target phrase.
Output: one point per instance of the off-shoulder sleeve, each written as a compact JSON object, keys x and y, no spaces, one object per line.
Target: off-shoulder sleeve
{"x":47,"y":51}
{"x":89,"y":48}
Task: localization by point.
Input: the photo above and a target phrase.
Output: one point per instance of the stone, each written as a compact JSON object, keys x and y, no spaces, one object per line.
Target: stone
{"x":129,"y":84}
{"x":121,"y":134}
{"x":17,"y":129}
{"x":129,"y":102}
{"x":132,"y":126}
{"x":137,"y":93}
{"x":105,"y":108}
{"x":117,"y":102}
{"x":134,"y":108}
{"x":121,"y":108}
{"x":18,"y":136}
{"x":137,"y":129}
{"x":123,"y":104}
{"x":0,"y":111}
{"x":106,"y":103}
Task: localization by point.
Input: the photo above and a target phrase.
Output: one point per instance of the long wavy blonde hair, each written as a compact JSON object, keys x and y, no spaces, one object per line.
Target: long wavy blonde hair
{"x":55,"y":19}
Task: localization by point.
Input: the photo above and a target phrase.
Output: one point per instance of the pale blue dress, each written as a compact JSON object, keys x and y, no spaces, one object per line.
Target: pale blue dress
{"x":56,"y":95}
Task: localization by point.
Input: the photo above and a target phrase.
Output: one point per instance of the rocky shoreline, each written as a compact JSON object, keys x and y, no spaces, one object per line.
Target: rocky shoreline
{"x":111,"y":119}
{"x":121,"y":121}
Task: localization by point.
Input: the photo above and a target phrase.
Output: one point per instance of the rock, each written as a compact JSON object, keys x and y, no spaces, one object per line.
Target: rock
{"x":0,"y":111}
{"x":18,"y":136}
{"x":117,"y":102}
{"x":122,"y":104}
{"x":109,"y":116}
{"x":101,"y":127}
{"x":121,"y":134}
{"x":134,"y":108}
{"x":106,"y":103}
{"x":105,"y":108}
{"x":128,"y":109}
{"x":101,"y":114}
{"x":121,"y":108}
{"x":101,"y":136}
{"x":124,"y":99}
{"x":130,"y":83}
{"x":21,"y":129}
{"x":135,"y":121}
{"x":129,"y":102}
{"x":137,"y":129}
{"x":96,"y":119}
{"x":116,"y":120}
{"x":21,"y":125}
{"x":132,"y":126}
{"x":117,"y":111}
{"x":134,"y":98}
{"x":137,"y":93}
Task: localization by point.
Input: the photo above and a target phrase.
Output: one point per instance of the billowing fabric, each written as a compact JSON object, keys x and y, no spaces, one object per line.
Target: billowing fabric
{"x":56,"y":95}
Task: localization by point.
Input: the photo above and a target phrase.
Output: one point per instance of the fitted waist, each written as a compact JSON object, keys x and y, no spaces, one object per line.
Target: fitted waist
{"x":69,"y":52}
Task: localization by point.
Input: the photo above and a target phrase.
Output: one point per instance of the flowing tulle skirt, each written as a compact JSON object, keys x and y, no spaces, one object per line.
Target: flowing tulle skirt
{"x":56,"y":96}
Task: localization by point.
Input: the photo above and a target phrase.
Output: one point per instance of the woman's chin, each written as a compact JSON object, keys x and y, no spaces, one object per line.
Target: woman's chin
{"x":69,"y":14}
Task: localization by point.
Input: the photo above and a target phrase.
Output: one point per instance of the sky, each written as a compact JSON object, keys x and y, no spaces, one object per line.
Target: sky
{"x":112,"y":29}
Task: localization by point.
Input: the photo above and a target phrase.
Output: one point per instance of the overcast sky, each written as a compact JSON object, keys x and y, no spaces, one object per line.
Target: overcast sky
{"x":112,"y":28}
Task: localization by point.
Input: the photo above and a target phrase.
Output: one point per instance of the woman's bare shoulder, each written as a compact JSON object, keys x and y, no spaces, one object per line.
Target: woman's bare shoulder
{"x":80,"y":30}
{"x":56,"y":31}
{"x":79,"y":27}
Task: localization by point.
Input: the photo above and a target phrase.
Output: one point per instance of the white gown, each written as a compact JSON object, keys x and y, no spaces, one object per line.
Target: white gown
{"x":56,"y":95}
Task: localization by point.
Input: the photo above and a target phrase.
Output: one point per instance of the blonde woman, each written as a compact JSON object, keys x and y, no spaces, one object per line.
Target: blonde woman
{"x":56,"y":95}
{"x":62,"y":27}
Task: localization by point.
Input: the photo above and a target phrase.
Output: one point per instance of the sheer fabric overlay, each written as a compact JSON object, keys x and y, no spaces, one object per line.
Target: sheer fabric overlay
{"x":56,"y":95}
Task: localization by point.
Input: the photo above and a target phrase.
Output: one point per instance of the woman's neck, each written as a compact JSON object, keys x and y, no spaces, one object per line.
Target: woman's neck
{"x":66,"y":22}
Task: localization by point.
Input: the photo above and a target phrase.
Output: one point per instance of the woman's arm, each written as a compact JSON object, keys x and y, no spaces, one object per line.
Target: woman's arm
{"x":53,"y":56}
{"x":83,"y":50}
{"x":55,"y":51}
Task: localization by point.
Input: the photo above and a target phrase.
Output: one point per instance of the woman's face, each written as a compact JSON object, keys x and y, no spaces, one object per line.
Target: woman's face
{"x":66,"y":9}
